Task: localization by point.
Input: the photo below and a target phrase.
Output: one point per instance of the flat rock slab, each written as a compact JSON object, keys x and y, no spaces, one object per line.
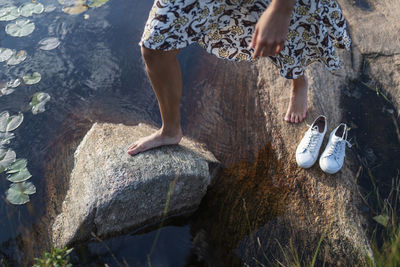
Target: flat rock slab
{"x":111,"y":192}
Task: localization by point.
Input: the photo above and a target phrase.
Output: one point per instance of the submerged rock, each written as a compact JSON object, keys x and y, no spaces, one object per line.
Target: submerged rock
{"x":112,"y":192}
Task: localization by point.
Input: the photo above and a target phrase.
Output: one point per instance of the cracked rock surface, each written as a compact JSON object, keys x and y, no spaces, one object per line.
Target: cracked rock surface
{"x":112,"y":192}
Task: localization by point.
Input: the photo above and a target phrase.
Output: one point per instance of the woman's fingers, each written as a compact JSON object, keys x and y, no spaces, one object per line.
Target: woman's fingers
{"x":279,"y":47}
{"x":257,"y":51}
{"x":253,"y":39}
{"x":263,"y":48}
{"x":266,"y":50}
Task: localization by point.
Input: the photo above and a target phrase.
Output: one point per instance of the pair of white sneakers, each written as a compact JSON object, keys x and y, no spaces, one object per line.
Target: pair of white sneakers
{"x":331,"y":160}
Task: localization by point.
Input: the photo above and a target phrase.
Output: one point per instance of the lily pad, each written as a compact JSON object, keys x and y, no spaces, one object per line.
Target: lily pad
{"x":33,"y":78}
{"x":18,"y":193}
{"x":17,"y":166}
{"x":14,"y":122}
{"x":5,"y":54}
{"x":49,"y":43}
{"x":10,"y":123}
{"x":14,"y":84}
{"x":2,"y":153}
{"x":50,"y":8}
{"x":5,"y":138}
{"x":66,"y":2}
{"x":4,"y":120}
{"x":20,"y":28}
{"x":38,"y":101}
{"x":17,"y":58}
{"x":9,"y":13}
{"x":97,"y":3}
{"x":6,"y":91}
{"x":28,"y":9}
{"x":20,"y":176}
{"x":7,"y":159}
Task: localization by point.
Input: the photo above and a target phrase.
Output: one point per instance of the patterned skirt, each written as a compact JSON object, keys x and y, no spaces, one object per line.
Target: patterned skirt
{"x":225,"y":28}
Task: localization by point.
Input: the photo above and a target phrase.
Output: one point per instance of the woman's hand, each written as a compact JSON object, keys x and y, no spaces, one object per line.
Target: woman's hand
{"x":272,"y":28}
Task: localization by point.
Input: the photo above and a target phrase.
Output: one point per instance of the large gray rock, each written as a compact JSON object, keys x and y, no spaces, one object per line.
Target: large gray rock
{"x":375,"y":34}
{"x":375,"y":30}
{"x":111,"y":191}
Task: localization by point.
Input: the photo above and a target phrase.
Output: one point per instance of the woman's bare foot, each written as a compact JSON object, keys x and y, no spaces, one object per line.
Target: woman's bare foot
{"x":156,"y":139}
{"x":298,"y":101}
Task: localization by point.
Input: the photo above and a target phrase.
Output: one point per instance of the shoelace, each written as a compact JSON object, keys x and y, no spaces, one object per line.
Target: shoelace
{"x":336,"y":148}
{"x":312,"y":138}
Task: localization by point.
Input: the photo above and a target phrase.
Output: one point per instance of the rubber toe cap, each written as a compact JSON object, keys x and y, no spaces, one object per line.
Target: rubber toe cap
{"x":305,"y":160}
{"x":329,"y":165}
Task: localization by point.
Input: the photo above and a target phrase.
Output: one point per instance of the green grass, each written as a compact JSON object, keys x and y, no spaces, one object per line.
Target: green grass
{"x":55,"y":258}
{"x":386,"y":234}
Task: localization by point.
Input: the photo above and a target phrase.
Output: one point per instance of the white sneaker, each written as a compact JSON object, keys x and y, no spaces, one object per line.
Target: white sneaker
{"x":308,"y":149}
{"x":331,"y":160}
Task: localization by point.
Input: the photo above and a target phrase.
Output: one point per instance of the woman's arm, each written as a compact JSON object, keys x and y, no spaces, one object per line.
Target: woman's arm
{"x":272,"y":28}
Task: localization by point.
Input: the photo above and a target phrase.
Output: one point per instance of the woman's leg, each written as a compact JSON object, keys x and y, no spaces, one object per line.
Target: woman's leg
{"x":164,"y":72}
{"x":298,"y":100}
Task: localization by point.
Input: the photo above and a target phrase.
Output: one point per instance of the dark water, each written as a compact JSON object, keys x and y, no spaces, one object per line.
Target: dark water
{"x":96,"y":68}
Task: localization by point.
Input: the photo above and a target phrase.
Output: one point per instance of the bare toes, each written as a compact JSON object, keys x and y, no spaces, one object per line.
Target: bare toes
{"x":134,"y":151}
{"x":292,"y":117}
{"x":132,"y":145}
{"x":296,"y":118}
{"x":287,"y":118}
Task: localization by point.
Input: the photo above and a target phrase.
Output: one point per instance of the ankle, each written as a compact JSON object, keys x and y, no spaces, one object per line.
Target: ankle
{"x":171,"y":131}
{"x":300,"y":84}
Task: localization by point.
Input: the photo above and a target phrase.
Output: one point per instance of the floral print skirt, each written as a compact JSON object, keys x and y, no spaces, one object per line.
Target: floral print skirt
{"x":225,"y":29}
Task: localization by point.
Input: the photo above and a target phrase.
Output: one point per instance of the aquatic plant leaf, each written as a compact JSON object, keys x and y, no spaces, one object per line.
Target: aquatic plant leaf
{"x":20,"y":28}
{"x":5,"y":54}
{"x":28,"y":9}
{"x":6,"y":91}
{"x":16,"y":197}
{"x":18,"y":193}
{"x":14,"y":122}
{"x":50,"y":8}
{"x":8,"y":158}
{"x":33,"y":78}
{"x":9,"y":13}
{"x":79,"y":7}
{"x":20,"y":176}
{"x":49,"y":43}
{"x":5,"y":138}
{"x":4,"y":120}
{"x":38,"y":102}
{"x":382,"y":219}
{"x":2,"y":153}
{"x":17,"y":166}
{"x":66,"y":2}
{"x":17,"y":58}
{"x":14,"y":84}
{"x":97,"y":3}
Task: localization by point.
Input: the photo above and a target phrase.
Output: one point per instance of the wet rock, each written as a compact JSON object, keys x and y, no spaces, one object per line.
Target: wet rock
{"x":112,"y":192}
